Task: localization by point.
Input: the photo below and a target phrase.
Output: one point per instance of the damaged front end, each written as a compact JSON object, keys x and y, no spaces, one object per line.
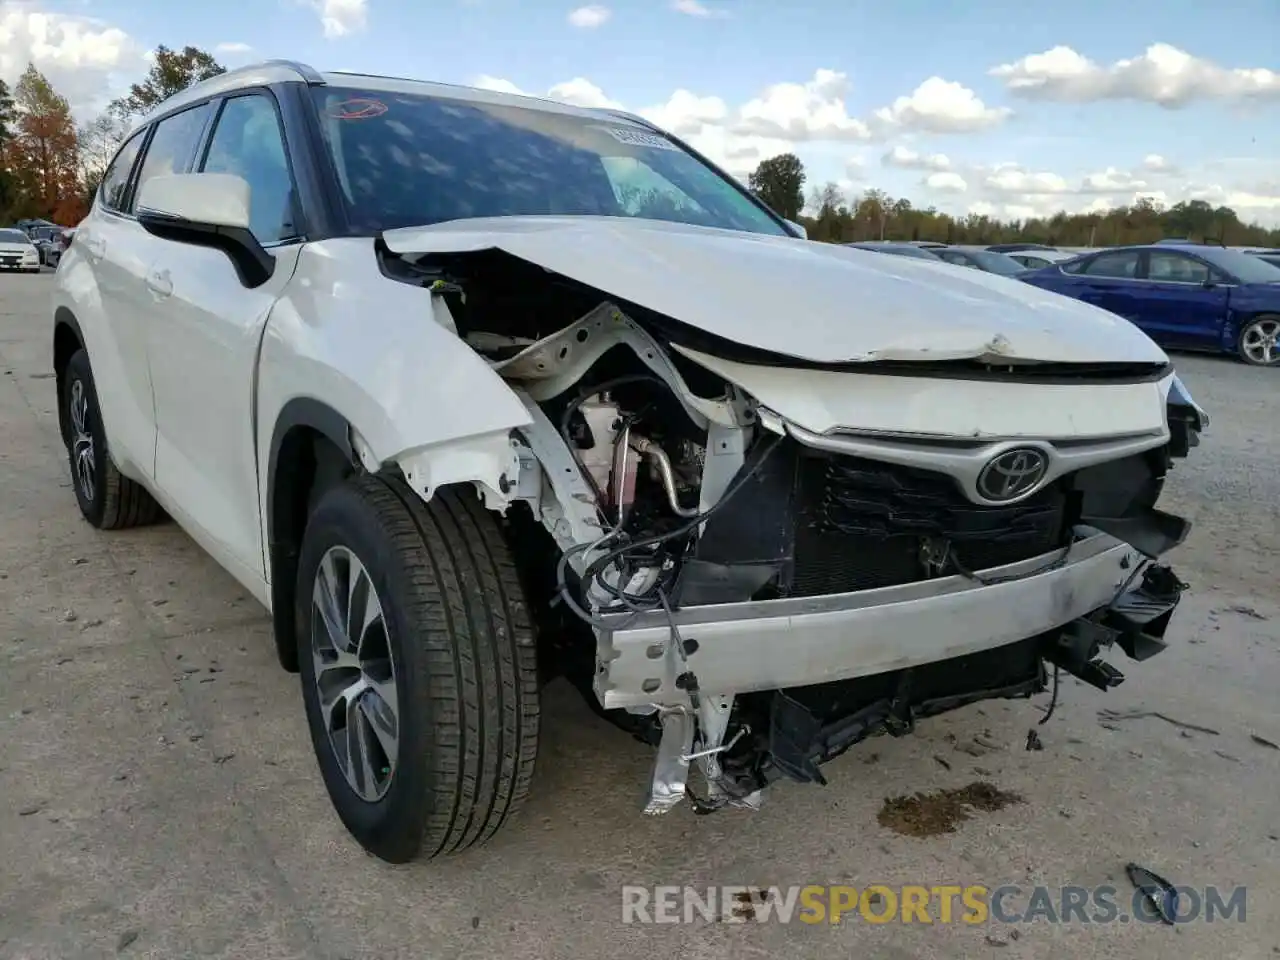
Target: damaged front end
{"x":753,"y":589}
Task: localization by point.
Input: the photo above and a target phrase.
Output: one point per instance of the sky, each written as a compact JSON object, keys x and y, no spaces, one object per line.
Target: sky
{"x":999,"y":107}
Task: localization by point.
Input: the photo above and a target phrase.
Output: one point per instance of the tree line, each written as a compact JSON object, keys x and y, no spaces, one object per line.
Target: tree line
{"x":874,"y":215}
{"x":50,"y":167}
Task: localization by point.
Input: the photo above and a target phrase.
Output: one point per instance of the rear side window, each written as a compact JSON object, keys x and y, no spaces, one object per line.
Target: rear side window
{"x":1119,"y":266}
{"x":115,"y":182}
{"x":173,"y":147}
{"x":1176,"y":268}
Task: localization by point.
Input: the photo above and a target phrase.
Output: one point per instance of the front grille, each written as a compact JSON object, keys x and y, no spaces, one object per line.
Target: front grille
{"x":861,"y":524}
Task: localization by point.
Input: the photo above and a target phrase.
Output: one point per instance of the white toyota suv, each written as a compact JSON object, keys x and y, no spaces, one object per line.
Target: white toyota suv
{"x":474,"y":391}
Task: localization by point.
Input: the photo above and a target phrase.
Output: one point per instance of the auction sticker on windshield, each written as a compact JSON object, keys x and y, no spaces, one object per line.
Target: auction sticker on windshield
{"x":638,"y":138}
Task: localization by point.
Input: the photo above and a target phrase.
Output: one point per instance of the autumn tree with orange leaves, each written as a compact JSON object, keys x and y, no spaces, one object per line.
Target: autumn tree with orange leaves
{"x":42,"y":154}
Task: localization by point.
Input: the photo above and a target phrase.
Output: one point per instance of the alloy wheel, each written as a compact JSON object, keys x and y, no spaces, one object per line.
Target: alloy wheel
{"x":1261,"y":341}
{"x":82,"y":449}
{"x":355,"y":675}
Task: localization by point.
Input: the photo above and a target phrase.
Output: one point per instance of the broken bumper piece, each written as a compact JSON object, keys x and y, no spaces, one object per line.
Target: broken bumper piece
{"x":737,"y":648}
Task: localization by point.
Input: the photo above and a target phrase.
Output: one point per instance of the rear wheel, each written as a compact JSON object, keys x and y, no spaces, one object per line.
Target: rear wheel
{"x":418,"y":667}
{"x":1259,"y":342}
{"x":108,"y":499}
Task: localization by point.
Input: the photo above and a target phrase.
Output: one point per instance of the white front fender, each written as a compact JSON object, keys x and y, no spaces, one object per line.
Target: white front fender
{"x":370,"y":349}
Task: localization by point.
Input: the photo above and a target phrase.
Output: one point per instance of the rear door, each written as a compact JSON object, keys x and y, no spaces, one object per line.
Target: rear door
{"x":106,"y":275}
{"x":1186,"y":299}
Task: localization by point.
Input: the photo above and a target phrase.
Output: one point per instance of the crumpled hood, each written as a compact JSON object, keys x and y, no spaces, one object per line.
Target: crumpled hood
{"x":815,"y":301}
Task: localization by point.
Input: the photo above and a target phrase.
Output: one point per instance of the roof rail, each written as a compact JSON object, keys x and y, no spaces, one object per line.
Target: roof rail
{"x":307,"y":73}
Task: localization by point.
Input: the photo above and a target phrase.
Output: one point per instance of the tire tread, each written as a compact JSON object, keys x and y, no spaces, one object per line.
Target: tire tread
{"x":480,"y":663}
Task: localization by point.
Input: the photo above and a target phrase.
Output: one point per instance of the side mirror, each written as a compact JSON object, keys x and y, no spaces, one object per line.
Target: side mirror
{"x":797,"y":230}
{"x":206,"y":210}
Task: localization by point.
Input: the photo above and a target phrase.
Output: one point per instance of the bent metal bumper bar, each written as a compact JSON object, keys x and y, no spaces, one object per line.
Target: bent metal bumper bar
{"x":744,"y":647}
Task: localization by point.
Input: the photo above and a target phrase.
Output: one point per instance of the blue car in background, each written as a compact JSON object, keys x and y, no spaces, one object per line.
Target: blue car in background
{"x":1189,"y":297}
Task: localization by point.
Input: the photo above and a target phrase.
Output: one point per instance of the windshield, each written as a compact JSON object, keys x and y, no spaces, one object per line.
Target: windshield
{"x":13,"y":236}
{"x":1244,"y":267}
{"x":996,"y":262}
{"x":410,"y":160}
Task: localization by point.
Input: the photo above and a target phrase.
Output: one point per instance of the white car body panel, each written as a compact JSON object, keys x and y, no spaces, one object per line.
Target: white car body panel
{"x":106,"y":265}
{"x":370,"y":349}
{"x":826,"y":402}
{"x":203,"y":338}
{"x":802,"y":299}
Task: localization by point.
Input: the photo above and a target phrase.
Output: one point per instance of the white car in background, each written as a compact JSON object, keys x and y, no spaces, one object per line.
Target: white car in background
{"x":474,"y":390}
{"x":17,"y":252}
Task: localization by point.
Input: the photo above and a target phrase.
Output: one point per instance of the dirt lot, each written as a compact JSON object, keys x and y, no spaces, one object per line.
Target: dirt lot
{"x":158,"y":796}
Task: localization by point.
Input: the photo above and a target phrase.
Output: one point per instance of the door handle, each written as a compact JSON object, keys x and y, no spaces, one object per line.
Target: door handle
{"x":160,"y":283}
{"x":97,"y":247}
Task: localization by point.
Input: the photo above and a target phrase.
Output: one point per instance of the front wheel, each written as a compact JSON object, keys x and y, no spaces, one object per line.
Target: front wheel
{"x":1259,"y":343}
{"x":418,"y":667}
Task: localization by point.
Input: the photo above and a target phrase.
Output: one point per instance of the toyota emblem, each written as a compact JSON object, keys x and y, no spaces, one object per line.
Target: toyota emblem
{"x":1012,"y":474}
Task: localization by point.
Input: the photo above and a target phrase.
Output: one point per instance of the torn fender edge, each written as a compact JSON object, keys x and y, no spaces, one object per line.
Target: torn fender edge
{"x":491,"y":461}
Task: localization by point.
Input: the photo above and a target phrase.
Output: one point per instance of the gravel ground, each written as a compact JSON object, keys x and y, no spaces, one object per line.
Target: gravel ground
{"x":158,"y":796}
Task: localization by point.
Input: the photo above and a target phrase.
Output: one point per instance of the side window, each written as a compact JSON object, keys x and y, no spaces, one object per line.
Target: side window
{"x":173,"y":146}
{"x":1176,"y":268}
{"x":1119,"y":266}
{"x":115,"y":182}
{"x":952,"y":256}
{"x":248,"y":143}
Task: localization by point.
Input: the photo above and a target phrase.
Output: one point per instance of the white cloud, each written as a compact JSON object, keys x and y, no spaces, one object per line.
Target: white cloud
{"x":942,"y":106}
{"x":497,"y":84}
{"x":582,"y":93}
{"x":86,"y":60}
{"x":1247,"y":203}
{"x":1163,"y":74}
{"x":590,"y":17}
{"x":907,"y":159}
{"x":1112,"y":180}
{"x":232,"y":48}
{"x":686,"y":113}
{"x":813,"y":110}
{"x":947,"y":182}
{"x":340,"y":18}
{"x":1158,"y":164}
{"x":693,"y":8}
{"x":1010,"y":178}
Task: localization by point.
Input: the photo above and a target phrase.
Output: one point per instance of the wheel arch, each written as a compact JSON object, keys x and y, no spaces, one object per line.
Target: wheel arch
{"x":311,"y":446}
{"x":67,"y":339}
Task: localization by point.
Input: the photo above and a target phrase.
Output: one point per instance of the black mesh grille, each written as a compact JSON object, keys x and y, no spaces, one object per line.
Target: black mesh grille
{"x":861,"y":524}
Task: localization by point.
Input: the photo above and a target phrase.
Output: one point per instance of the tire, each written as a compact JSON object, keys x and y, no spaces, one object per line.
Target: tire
{"x":456,"y":650}
{"x":1265,"y":329}
{"x":108,"y":499}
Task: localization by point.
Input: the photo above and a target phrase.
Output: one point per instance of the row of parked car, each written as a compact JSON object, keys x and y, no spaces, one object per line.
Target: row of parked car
{"x":47,"y":240}
{"x":1184,"y":295}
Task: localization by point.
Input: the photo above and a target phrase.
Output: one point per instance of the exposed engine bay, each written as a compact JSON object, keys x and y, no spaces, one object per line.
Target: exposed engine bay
{"x":653,"y":493}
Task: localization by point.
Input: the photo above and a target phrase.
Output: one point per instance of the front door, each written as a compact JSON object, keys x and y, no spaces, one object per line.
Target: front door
{"x":205,"y":338}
